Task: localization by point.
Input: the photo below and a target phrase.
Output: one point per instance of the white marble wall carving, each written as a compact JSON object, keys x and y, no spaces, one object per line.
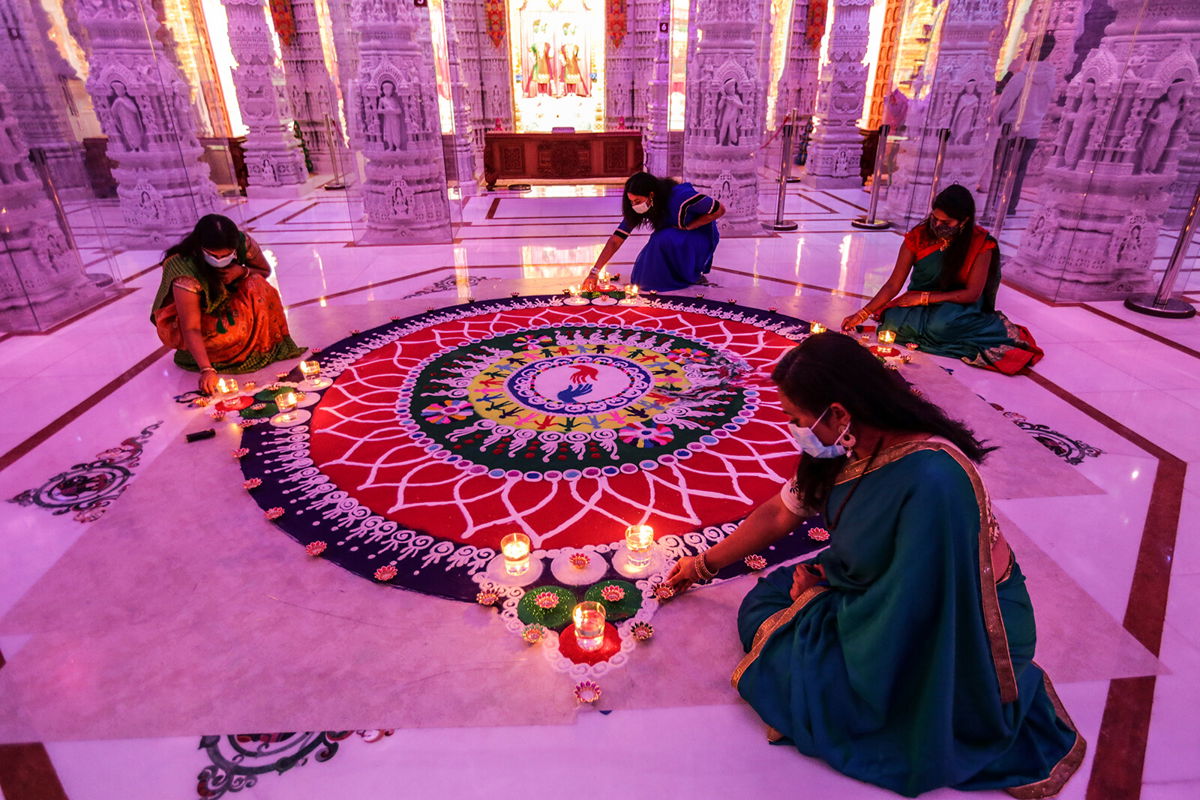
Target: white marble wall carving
{"x":486,"y":67}
{"x":468,"y":148}
{"x":957,"y":96}
{"x":41,"y":276}
{"x":274,"y":160}
{"x":798,"y":88}
{"x":836,"y":149}
{"x":312,"y":98}
{"x":34,"y":73}
{"x":142,"y":103}
{"x":656,"y":137}
{"x":1118,"y":150}
{"x":395,"y":117}
{"x":726,"y":109}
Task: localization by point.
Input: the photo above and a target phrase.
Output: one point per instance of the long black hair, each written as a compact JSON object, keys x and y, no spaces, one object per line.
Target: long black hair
{"x":834,"y":368}
{"x":646,"y":185}
{"x":212,"y":232}
{"x":956,"y":202}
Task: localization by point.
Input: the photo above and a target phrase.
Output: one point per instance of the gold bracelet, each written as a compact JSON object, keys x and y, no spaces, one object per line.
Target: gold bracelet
{"x":207,"y":369}
{"x":702,"y":569}
{"x":924,"y":298}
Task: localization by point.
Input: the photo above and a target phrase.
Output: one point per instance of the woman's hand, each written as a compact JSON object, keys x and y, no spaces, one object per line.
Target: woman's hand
{"x":208,"y":381}
{"x":684,"y":574}
{"x":907,"y":299}
{"x":857,"y":318}
{"x":589,"y":283}
{"x":805,"y":577}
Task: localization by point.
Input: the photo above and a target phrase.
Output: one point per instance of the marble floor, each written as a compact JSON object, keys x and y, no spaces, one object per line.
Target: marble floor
{"x":1116,"y":398}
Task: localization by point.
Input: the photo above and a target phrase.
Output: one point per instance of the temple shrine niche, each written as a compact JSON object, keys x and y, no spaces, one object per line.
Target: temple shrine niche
{"x":557,"y":55}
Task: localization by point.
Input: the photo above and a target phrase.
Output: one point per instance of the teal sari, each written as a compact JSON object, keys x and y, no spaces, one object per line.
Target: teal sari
{"x":913,"y":669}
{"x":973,"y":332}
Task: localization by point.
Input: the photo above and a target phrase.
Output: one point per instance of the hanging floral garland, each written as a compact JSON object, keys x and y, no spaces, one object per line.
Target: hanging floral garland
{"x":284,"y":20}
{"x":814,"y":27}
{"x":617,"y":17}
{"x":494,"y":13}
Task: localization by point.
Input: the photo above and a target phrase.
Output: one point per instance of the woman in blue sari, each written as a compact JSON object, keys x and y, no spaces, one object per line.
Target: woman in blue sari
{"x":680,"y":250}
{"x":949,"y":308}
{"x":902,"y":654}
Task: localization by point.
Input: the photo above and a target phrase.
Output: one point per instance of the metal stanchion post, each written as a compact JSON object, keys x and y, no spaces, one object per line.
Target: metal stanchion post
{"x":335,"y":157}
{"x":1161,"y":304}
{"x":870,"y":222}
{"x":785,"y":159}
{"x":943,"y":140}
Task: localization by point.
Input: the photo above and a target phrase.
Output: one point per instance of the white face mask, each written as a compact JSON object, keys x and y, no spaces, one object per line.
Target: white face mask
{"x":219,"y":263}
{"x":811,"y":444}
{"x":641,"y":208}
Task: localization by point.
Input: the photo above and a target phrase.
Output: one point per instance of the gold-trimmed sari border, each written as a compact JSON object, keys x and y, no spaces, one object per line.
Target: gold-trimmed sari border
{"x":770,"y":625}
{"x":1067,"y":766}
{"x":993,"y":620}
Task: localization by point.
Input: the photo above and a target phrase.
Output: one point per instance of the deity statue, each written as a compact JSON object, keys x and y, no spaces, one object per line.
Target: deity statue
{"x":1081,"y":124}
{"x":127,"y":117}
{"x":1161,"y":124}
{"x":391,"y":116}
{"x":729,"y":111}
{"x":574,"y":81}
{"x":962,"y":120}
{"x":540,"y":73}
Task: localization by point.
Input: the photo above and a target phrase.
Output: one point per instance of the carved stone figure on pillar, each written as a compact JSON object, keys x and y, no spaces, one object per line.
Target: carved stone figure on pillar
{"x":729,"y":113}
{"x":1160,"y":126}
{"x":127,"y":118}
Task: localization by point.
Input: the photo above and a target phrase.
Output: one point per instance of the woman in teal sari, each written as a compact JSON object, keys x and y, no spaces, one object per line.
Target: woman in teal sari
{"x":950,"y":306}
{"x":902,"y":655}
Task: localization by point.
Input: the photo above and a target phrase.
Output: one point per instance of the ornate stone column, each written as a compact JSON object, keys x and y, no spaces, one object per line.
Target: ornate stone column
{"x":274,"y":162}
{"x":35,"y":74}
{"x":41,"y":277}
{"x":656,"y":138}
{"x":645,"y":19}
{"x":141,"y":100}
{"x":798,"y":89}
{"x":468,"y":148}
{"x":958,"y":95}
{"x":345,"y":46}
{"x":310,"y":90}
{"x":836,"y":148}
{"x":395,"y":117}
{"x":1106,"y":190}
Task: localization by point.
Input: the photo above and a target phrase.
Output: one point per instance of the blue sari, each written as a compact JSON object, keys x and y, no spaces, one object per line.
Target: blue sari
{"x":913,"y":668}
{"x":674,"y":258}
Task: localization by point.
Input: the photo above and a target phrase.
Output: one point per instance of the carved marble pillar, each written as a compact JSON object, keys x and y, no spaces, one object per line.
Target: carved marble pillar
{"x":726,"y":108}
{"x":345,"y":46}
{"x":468,"y":148}
{"x":41,"y":276}
{"x":1183,"y":188}
{"x":485,"y":58}
{"x":656,"y":139}
{"x":620,"y":49}
{"x":958,"y":95}
{"x":885,"y":62}
{"x":35,"y":74}
{"x":274,"y":161}
{"x":395,"y":116}
{"x":310,"y":90}
{"x":142,"y":102}
{"x":1118,"y":150}
{"x":836,"y":148}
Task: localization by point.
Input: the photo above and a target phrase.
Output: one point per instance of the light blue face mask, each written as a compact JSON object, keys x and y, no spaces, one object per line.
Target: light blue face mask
{"x":811,"y":444}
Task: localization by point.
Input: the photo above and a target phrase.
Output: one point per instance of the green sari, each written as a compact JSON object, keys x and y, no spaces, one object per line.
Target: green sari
{"x":913,"y":669}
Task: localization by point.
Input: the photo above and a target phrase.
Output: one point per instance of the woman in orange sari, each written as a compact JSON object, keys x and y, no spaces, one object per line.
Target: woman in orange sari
{"x":215,"y":307}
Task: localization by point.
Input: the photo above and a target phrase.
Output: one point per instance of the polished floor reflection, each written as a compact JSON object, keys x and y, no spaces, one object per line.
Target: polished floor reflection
{"x":1115,"y":401}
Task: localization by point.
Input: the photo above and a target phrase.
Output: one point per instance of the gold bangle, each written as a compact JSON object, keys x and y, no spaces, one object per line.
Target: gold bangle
{"x":207,"y":369}
{"x":702,"y":568}
{"x":924,"y":298}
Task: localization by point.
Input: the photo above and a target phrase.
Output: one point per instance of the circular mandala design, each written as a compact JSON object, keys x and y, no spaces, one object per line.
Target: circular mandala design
{"x":446,"y":431}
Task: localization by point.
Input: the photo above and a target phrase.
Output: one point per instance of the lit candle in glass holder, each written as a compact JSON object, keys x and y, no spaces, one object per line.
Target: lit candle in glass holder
{"x":515,"y":548}
{"x":639,"y":541}
{"x":631,"y":295}
{"x":816,"y":327}
{"x":574,"y":299}
{"x":589,"y":619}
{"x":886,"y":340}
{"x":605,"y":281}
{"x":311,"y":370}
{"x":227,"y":386}
{"x":286,"y":401}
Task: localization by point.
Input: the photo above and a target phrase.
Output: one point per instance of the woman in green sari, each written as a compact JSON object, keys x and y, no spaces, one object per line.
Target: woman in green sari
{"x":215,"y":306}
{"x":950,"y":306}
{"x":903,"y":653}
